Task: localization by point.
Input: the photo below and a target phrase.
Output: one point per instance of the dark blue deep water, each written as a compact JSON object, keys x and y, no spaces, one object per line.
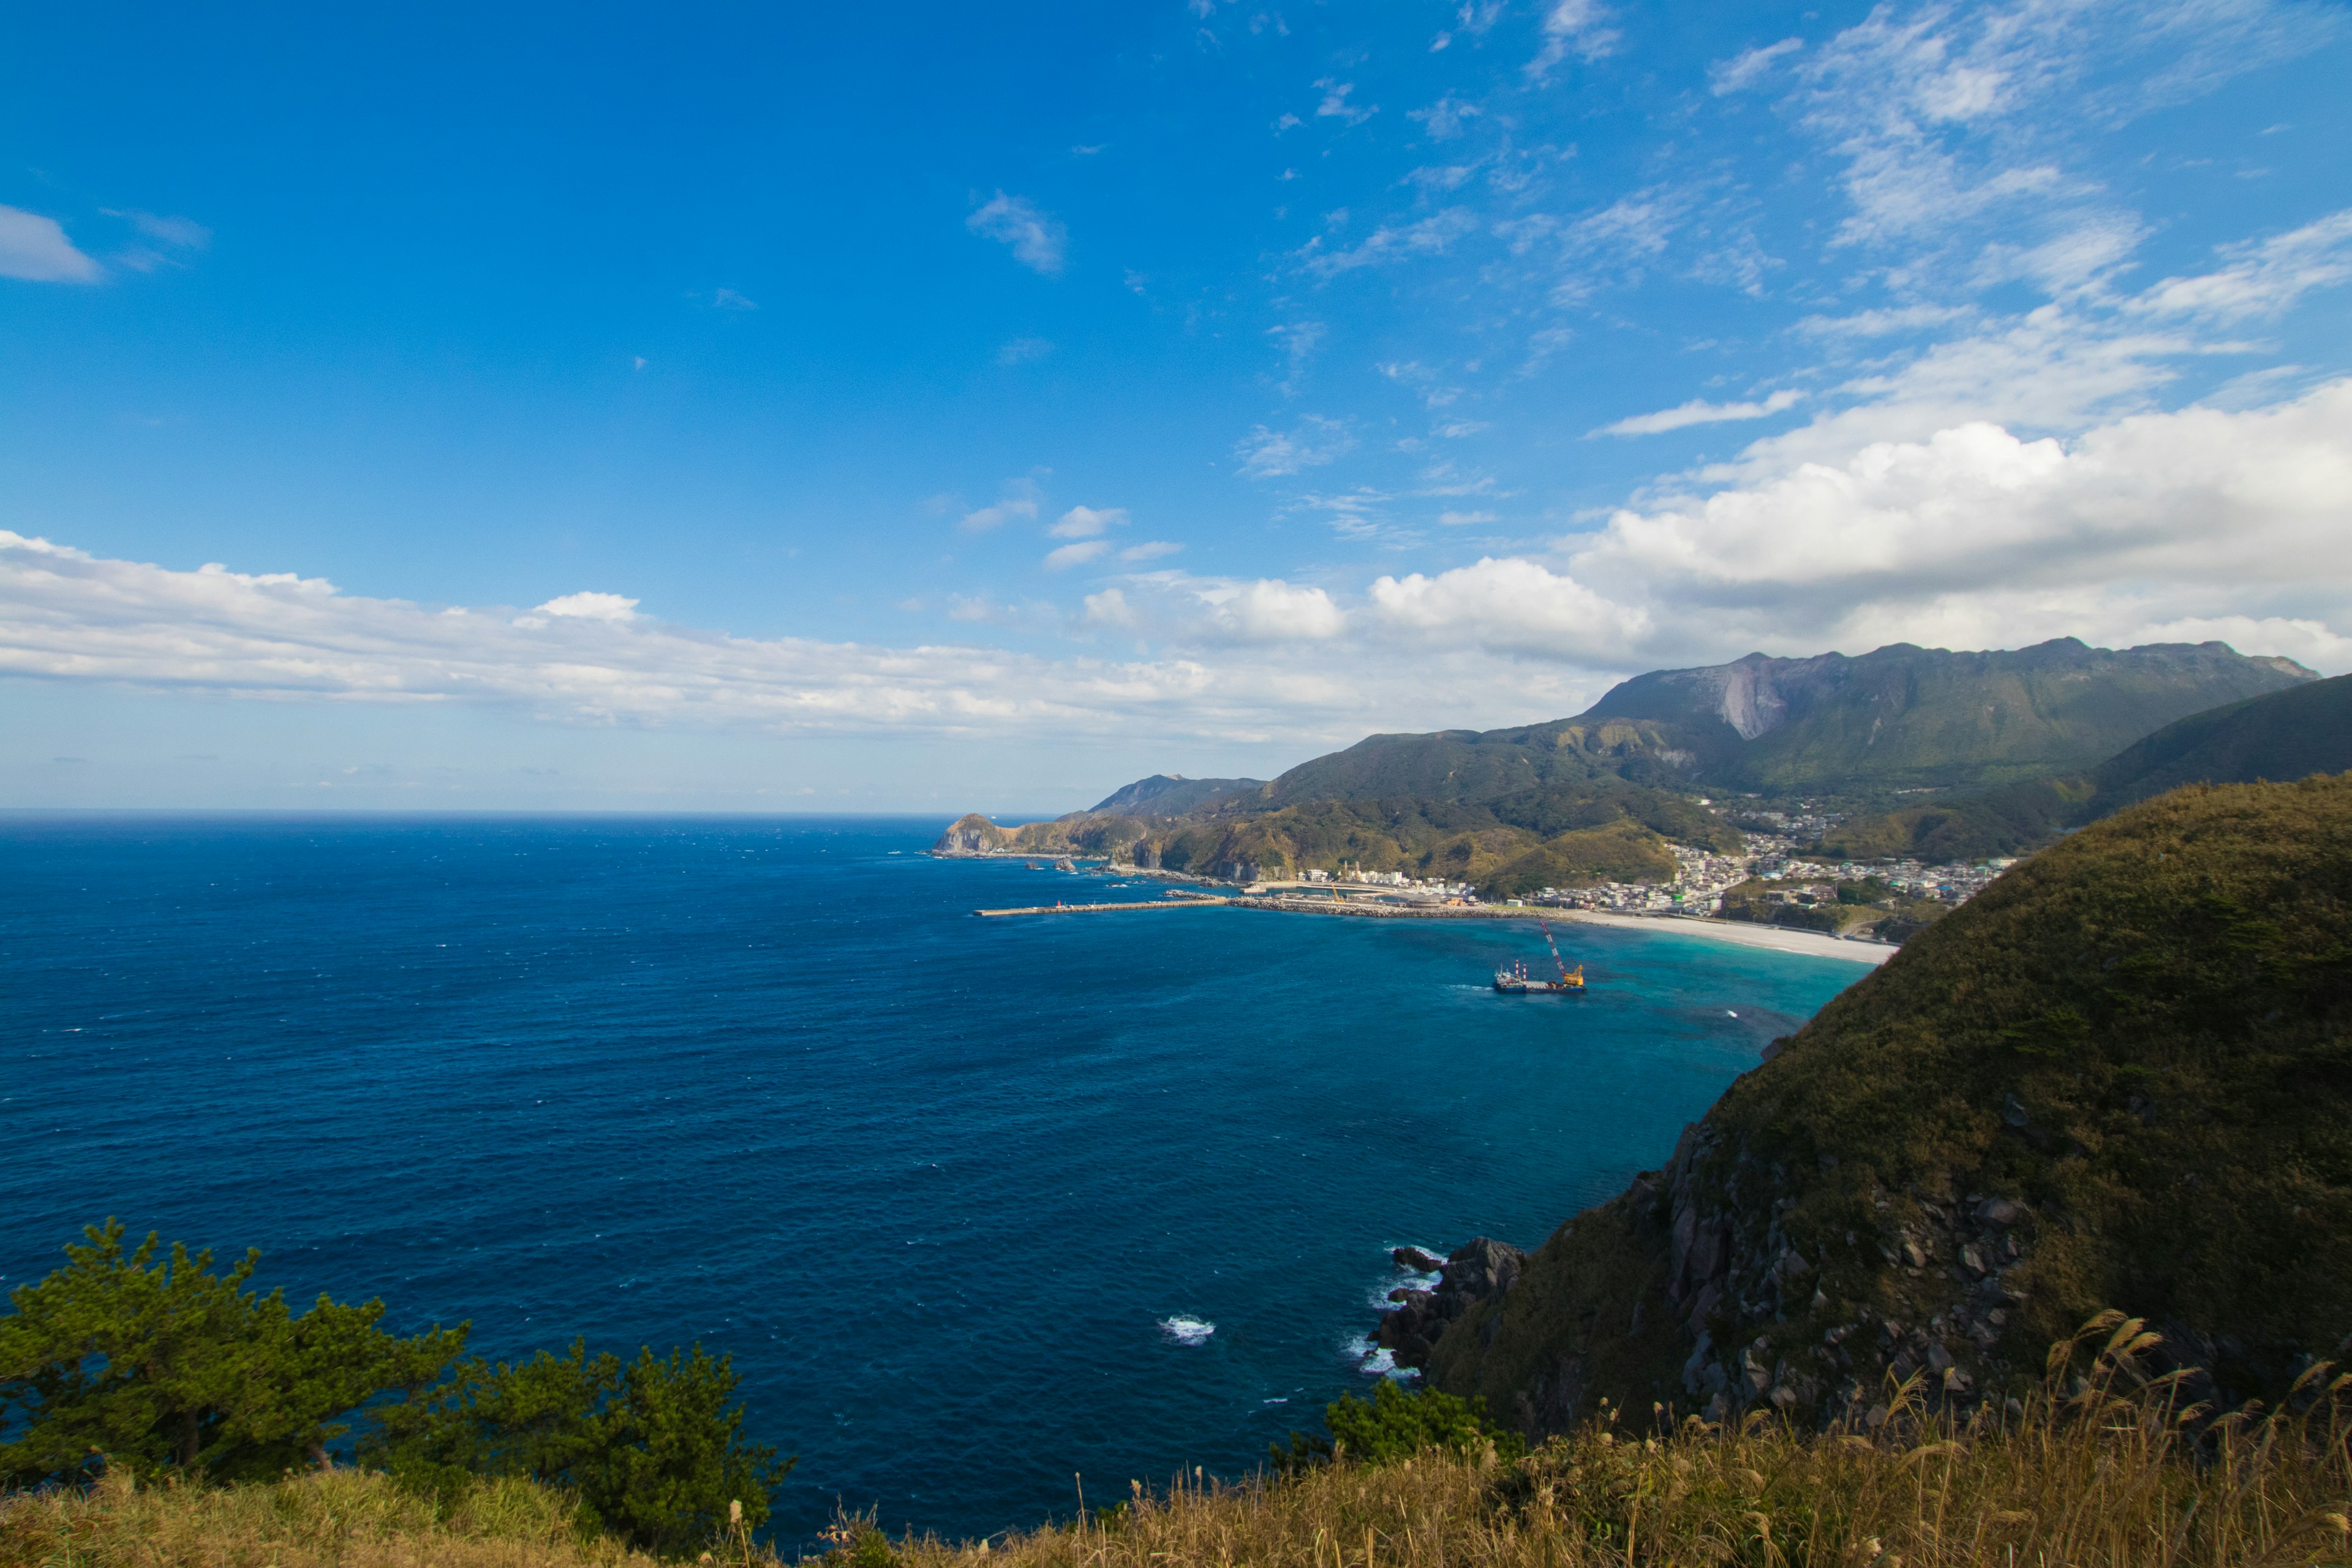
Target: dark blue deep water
{"x":938,"y":1183}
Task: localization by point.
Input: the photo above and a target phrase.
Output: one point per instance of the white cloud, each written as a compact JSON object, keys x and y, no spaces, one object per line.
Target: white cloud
{"x":1992,"y":539}
{"x":1313,"y":442}
{"x":186,"y":234}
{"x":1110,"y":608}
{"x":592,"y":608}
{"x":1464,"y":518}
{"x":1446,"y":118}
{"x":1510,"y":606}
{"x":1335,"y":104}
{"x":1271,"y":610}
{"x":1742,"y":71}
{"x":1078,"y":554}
{"x":1389,"y":242}
{"x":1024,"y":351}
{"x":1879,"y":323}
{"x":1698,"y":411}
{"x":1086,"y":522}
{"x":1572,"y":26}
{"x":2262,"y":277}
{"x":2150,"y":526}
{"x":36,"y":249}
{"x":1019,"y":499}
{"x":1038,"y":241}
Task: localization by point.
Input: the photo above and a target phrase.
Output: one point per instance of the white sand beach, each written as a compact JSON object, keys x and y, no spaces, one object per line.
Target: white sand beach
{"x":1777,"y":937}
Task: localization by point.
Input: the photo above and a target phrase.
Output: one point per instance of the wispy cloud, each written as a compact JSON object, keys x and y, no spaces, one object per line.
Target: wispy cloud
{"x":1037,"y":241}
{"x":1748,"y":67}
{"x":36,"y":249}
{"x":1019,"y":499}
{"x":1336,"y":104}
{"x":1022,"y":351}
{"x":1311,"y":443}
{"x":2262,"y":278}
{"x":1579,"y":27}
{"x":1070,"y":556}
{"x":1390,"y":242}
{"x":1698,"y":411}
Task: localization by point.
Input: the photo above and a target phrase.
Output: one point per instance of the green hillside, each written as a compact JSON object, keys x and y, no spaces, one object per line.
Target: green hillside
{"x":2289,"y":735}
{"x":1171,"y":795}
{"x":2121,"y":1077}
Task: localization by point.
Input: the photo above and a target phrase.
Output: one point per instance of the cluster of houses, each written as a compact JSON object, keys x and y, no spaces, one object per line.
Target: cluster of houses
{"x":1702,"y":877}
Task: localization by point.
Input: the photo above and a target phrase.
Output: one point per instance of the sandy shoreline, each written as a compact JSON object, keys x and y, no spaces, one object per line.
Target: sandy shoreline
{"x":1779,"y":938}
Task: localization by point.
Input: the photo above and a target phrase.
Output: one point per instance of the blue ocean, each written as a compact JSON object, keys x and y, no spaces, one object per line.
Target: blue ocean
{"x":978,"y":1207}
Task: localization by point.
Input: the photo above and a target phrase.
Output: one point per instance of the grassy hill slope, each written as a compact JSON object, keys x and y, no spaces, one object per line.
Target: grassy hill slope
{"x":2120,"y":1077}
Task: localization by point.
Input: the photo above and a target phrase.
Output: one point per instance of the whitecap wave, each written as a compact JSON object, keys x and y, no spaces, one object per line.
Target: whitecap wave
{"x":1188,"y":1330}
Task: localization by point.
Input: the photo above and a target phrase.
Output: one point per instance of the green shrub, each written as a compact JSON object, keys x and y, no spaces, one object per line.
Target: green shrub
{"x":1394,"y":1425}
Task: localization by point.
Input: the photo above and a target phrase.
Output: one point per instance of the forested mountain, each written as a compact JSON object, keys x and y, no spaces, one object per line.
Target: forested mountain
{"x":2289,"y":735}
{"x":1172,"y":794}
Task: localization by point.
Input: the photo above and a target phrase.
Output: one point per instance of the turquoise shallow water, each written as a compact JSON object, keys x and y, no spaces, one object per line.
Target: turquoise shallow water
{"x":939,"y":1184}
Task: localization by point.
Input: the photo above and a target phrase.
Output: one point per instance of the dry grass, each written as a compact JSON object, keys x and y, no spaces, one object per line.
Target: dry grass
{"x":2104,"y":1470}
{"x":337,"y":1519}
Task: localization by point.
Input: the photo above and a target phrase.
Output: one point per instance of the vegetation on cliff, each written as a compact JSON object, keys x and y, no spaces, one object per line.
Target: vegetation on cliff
{"x":136,"y":1364}
{"x":2121,"y":1077}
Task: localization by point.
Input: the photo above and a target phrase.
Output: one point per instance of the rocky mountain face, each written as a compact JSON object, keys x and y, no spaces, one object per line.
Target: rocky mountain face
{"x":2121,"y":1077}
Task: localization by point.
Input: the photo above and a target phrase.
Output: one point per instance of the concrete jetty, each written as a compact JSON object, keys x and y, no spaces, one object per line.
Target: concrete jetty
{"x":1196,"y":904}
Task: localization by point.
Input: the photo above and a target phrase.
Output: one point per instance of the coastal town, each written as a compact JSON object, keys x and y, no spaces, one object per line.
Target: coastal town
{"x":1771,"y":883}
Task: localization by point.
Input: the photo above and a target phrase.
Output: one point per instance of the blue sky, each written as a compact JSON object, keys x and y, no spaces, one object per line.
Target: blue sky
{"x":703,"y":408}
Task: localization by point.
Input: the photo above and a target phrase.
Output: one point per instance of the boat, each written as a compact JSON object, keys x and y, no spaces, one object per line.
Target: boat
{"x":1513,"y":979}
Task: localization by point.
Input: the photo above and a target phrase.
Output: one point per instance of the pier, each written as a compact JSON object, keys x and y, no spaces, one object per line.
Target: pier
{"x":1193,"y":903}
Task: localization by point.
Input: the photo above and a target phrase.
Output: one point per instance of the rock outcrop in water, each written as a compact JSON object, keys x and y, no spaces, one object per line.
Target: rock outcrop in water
{"x":1479,"y":1271}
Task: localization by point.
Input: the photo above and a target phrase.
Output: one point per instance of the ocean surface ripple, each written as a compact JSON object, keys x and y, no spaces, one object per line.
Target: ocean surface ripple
{"x":974,"y":1204}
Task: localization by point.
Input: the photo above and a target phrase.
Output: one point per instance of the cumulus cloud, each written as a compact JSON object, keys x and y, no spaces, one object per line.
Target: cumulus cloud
{"x":1085,"y":521}
{"x":592,"y":608}
{"x":1037,"y":240}
{"x":1698,"y":411}
{"x":1271,"y":610}
{"x":1511,"y":606}
{"x":36,"y":249}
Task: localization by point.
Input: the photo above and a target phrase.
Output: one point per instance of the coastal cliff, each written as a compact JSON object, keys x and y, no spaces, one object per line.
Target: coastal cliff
{"x":2121,"y":1077}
